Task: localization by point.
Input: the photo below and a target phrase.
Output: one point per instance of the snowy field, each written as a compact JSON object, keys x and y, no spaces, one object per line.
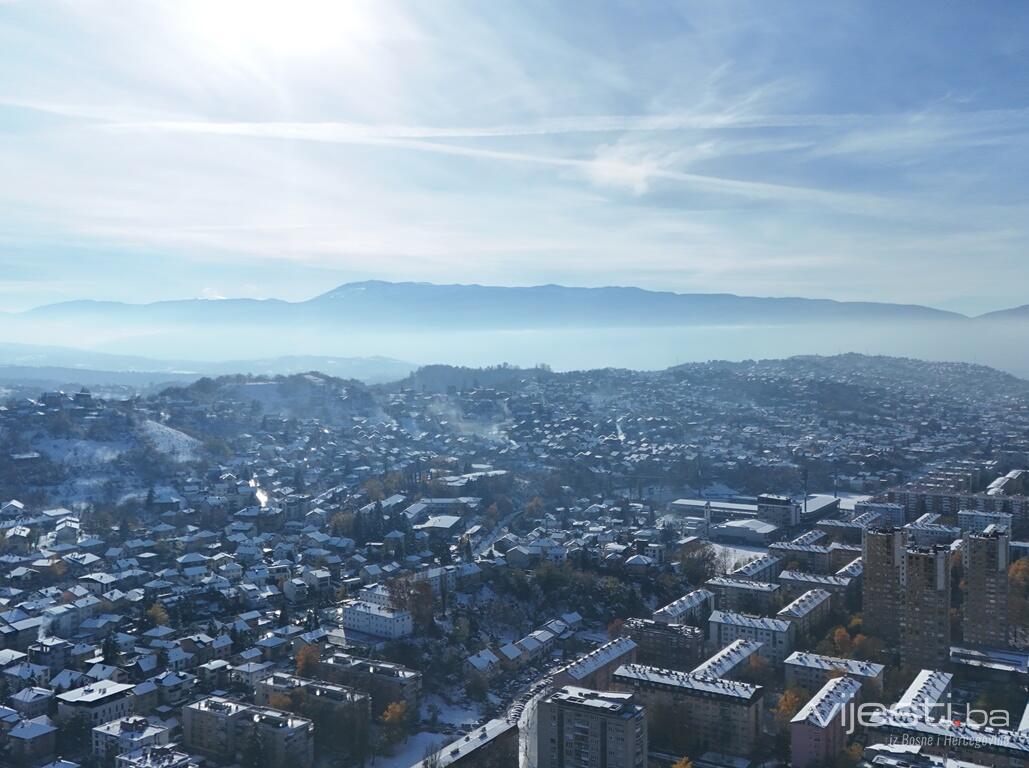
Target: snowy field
{"x":456,"y":713}
{"x":412,"y":750}
{"x":737,"y":553}
{"x":79,"y":453}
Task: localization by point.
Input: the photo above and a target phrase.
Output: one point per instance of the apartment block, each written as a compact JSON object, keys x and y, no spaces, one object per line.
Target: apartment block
{"x":670,"y":646}
{"x":744,"y":595}
{"x":809,"y":612}
{"x":98,"y":702}
{"x":776,"y":636}
{"x":883,"y":558}
{"x":223,"y":729}
{"x":348,"y":709}
{"x":813,"y":670}
{"x":730,"y":662}
{"x":125,"y":735}
{"x":594,"y":670}
{"x":925,"y":607}
{"x":987,"y":556}
{"x":694,"y":712}
{"x":583,"y":728}
{"x":377,"y":620}
{"x":817,"y":732}
{"x":692,"y":608}
{"x":384,"y":681}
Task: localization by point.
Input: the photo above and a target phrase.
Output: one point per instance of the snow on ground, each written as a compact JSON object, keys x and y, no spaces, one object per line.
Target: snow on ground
{"x":453,"y":713}
{"x":848,"y":499}
{"x":413,"y":750}
{"x":76,"y":452}
{"x":178,"y":446}
{"x":461,"y":716}
{"x":737,"y":554}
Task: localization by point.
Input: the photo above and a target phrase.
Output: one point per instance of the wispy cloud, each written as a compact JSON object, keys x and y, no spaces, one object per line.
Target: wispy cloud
{"x":608,"y":166}
{"x":700,"y":146}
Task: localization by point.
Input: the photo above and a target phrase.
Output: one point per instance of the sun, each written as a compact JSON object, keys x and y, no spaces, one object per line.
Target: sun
{"x":244,"y":29}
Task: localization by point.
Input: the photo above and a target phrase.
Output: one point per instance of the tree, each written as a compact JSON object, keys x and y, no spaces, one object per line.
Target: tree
{"x":158,"y":616}
{"x":394,"y":721}
{"x":431,"y":758}
{"x":421,"y":605}
{"x":1018,"y":580}
{"x":399,"y":593}
{"x":867,"y":647}
{"x":477,"y":686}
{"x":73,"y":734}
{"x":307,"y":661}
{"x":789,"y":705}
{"x":492,"y":516}
{"x":614,"y":629}
{"x":849,"y":757}
{"x":758,"y":671}
{"x":109,"y":649}
{"x":375,"y":490}
{"x":841,"y":639}
{"x":534,"y":508}
{"x":700,"y":565}
{"x":253,"y":755}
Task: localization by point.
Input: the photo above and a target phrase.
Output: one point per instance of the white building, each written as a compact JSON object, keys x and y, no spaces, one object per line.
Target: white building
{"x":127,"y":734}
{"x":376,"y":620}
{"x":99,"y":702}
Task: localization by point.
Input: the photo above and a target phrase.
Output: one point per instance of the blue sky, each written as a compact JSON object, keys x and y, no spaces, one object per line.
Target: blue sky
{"x":850,"y":150}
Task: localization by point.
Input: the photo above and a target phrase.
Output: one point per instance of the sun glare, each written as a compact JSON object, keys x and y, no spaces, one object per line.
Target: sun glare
{"x":239,"y":29}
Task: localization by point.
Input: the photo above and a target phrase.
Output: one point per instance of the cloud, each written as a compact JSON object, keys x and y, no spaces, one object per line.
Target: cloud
{"x":690,"y":145}
{"x":609,"y":166}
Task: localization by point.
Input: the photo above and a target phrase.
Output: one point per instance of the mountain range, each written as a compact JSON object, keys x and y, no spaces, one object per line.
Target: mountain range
{"x":387,"y":304}
{"x":370,"y":330}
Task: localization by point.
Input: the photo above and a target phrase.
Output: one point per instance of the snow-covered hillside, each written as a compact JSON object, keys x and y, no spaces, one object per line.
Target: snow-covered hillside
{"x":176,"y":445}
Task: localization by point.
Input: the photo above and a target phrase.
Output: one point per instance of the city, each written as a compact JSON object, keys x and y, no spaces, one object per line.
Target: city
{"x":811,"y":560}
{"x":514,"y":384}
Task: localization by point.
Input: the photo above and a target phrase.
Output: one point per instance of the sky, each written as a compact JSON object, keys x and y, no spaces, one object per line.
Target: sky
{"x":865,"y":150}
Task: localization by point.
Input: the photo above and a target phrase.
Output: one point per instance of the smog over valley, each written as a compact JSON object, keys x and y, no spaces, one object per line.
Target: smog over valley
{"x":514,"y":384}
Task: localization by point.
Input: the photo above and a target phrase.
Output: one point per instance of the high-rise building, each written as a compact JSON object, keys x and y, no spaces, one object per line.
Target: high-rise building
{"x":925,"y":607}
{"x":690,"y":712}
{"x":582,"y":728}
{"x":986,"y":559}
{"x":883,"y":559}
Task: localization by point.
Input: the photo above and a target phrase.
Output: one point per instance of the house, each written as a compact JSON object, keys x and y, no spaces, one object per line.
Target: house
{"x":485,"y":662}
{"x":32,"y":740}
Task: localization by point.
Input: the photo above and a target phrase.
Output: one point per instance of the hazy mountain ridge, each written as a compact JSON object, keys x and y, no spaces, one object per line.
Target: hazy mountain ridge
{"x":388,"y":304}
{"x":378,"y":323}
{"x":66,"y":365}
{"x":1015,"y":313}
